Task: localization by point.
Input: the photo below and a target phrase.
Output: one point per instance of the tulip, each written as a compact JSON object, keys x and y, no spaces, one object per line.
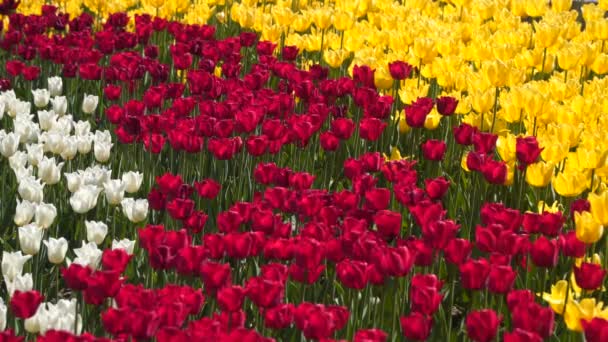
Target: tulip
{"x":74,"y":181}
{"x":45,"y":215}
{"x":20,"y":283}
{"x":96,"y":231}
{"x":115,"y":191}
{"x":3,"y":310}
{"x":589,"y":276}
{"x":595,"y":329}
{"x":84,"y":143}
{"x":48,"y":171}
{"x":30,"y":237}
{"x":24,"y":212}
{"x":47,"y":119}
{"x":85,"y":198}
{"x":126,"y":244}
{"x":416,"y":326}
{"x":588,"y":230}
{"x":102,"y":151}
{"x":482,"y":325}
{"x":17,"y":160}
{"x":60,"y":105}
{"x":41,"y":97}
{"x":599,"y":206}
{"x":30,"y":189}
{"x":132,"y":181}
{"x":12,"y":264}
{"x":25,"y":304}
{"x":55,"y":85}
{"x":56,"y":249}
{"x":135,"y":210}
{"x":88,"y":255}
{"x":89,"y":104}
{"x":8,"y":144}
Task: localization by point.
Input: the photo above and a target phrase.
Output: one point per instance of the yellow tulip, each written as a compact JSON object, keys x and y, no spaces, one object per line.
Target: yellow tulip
{"x":343,"y":21}
{"x":570,"y":183}
{"x":568,"y":57}
{"x":539,"y":174}
{"x":495,"y":73}
{"x":586,"y":309}
{"x":557,"y":297}
{"x":588,"y":230}
{"x":424,"y":49}
{"x":322,"y":18}
{"x":505,"y":145}
{"x":482,"y":102}
{"x":600,"y":65}
{"x":546,"y":34}
{"x":432,"y":120}
{"x":599,"y":206}
{"x":536,"y":8}
{"x":561,"y":5}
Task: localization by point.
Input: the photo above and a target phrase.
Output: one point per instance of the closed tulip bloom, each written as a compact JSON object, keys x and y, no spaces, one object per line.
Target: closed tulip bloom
{"x":544,"y":252}
{"x":589,"y":276}
{"x":55,"y":85}
{"x":47,"y":119}
{"x":96,"y":231}
{"x":599,"y":206}
{"x":48,"y":171}
{"x":84,"y":143}
{"x":135,"y":210}
{"x":12,"y":264}
{"x":539,"y":174}
{"x":74,"y":181}
{"x":23,"y":282}
{"x":30,"y":189}
{"x":56,"y":249}
{"x":30,"y":237}
{"x":102,"y":151}
{"x":41,"y":97}
{"x":482,"y":325}
{"x":60,"y":105}
{"x":416,"y":326}
{"x":45,"y":215}
{"x":24,"y":212}
{"x":85,"y":198}
{"x":115,"y":191}
{"x":125,"y":244}
{"x":132,"y":181}
{"x":88,"y":255}
{"x":89,"y":104}
{"x":8,"y":144}
{"x":588,"y":229}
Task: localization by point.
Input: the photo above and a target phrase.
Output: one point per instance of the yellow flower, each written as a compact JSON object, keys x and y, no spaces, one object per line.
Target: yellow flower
{"x":570,"y":183}
{"x":553,"y":208}
{"x":557,"y":297}
{"x":432,"y":120}
{"x":539,"y":174}
{"x":561,"y":5}
{"x":495,"y":73}
{"x":588,"y":230}
{"x":599,"y":206}
{"x":585,"y":309}
{"x":505,"y":145}
{"x":424,"y":49}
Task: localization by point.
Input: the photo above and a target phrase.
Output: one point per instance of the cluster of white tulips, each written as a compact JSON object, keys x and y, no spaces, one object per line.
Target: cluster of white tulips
{"x":38,"y":149}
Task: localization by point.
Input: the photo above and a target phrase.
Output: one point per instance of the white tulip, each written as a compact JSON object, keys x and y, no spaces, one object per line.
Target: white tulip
{"x":103,"y":136}
{"x":12,"y":264}
{"x":45,"y":215}
{"x":135,"y":210}
{"x":88,"y":255}
{"x":17,"y":160}
{"x":3,"y":310}
{"x":41,"y":97}
{"x":23,"y":172}
{"x":27,"y":130}
{"x":48,"y":171}
{"x":114,"y":190}
{"x":30,"y":189}
{"x":74,"y":180}
{"x":84,"y":143}
{"x":124,"y":244}
{"x":2,"y":109}
{"x":56,"y":249}
{"x":96,"y":175}
{"x":9,"y":144}
{"x":22,"y":283}
{"x":54,"y":142}
{"x":102,"y":151}
{"x":132,"y":181}
{"x":60,"y":105}
{"x":35,"y":153}
{"x":70,"y":148}
{"x":85,"y":198}
{"x":89,"y":104}
{"x":55,"y":85}
{"x":30,"y":238}
{"x":96,"y":231}
{"x":17,"y":107}
{"x":63,"y":125}
{"x":24,"y":212}
{"x":47,"y":119}
{"x":32,"y":324}
{"x":82,"y":128}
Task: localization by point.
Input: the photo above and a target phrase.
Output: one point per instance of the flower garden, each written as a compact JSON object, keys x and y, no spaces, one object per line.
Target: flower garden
{"x":303,"y":170}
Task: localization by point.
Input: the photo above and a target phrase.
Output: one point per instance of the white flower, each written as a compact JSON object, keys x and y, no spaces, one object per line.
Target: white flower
{"x":30,"y":238}
{"x":60,"y":316}
{"x":12,"y":264}
{"x":70,"y":148}
{"x":114,"y":190}
{"x":24,"y":212}
{"x":55,"y":85}
{"x":32,"y":324}
{"x":74,"y":180}
{"x":132,"y":181}
{"x":84,"y":143}
{"x":20,"y":282}
{"x":30,"y":189}
{"x":63,"y":125}
{"x":17,"y":107}
{"x":125,"y":244}
{"x":135,"y":210}
{"x":35,"y":153}
{"x":96,"y":175}
{"x":89,"y":104}
{"x":102,"y":151}
{"x":53,"y":142}
{"x":47,"y":119}
{"x":56,"y":249}
{"x":103,"y":136}
{"x":48,"y":171}
{"x":41,"y":97}
{"x":96,"y":231}
{"x":9,"y":144}
{"x":23,"y":172}
{"x":60,"y":105}
{"x":2,"y":109}
{"x":88,"y":255}
{"x":85,"y":198}
{"x":82,"y":128}
{"x":45,"y":215}
{"x":17,"y":160}
{"x":3,"y":310}
{"x":26,"y":129}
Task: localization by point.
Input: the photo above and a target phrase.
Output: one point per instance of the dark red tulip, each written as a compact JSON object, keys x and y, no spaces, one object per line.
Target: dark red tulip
{"x":527,"y":150}
{"x":474,"y":274}
{"x":482,"y":325}
{"x":589,"y":276}
{"x":544,"y":252}
{"x":501,"y":279}
{"x":24,"y":304}
{"x":446,"y":105}
{"x":399,"y":70}
{"x":416,"y":326}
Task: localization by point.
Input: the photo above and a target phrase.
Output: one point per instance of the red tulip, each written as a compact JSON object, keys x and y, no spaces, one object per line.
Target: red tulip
{"x":416,"y":326}
{"x":527,"y":150}
{"x":416,"y":113}
{"x":501,"y":279}
{"x":544,"y":252}
{"x":446,"y":105}
{"x":474,"y":274}
{"x":371,"y":128}
{"x":482,"y":325}
{"x":25,"y":304}
{"x":589,"y":276}
{"x":596,"y":330}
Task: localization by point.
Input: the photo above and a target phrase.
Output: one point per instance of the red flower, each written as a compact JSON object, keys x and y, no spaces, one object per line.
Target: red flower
{"x":25,"y":304}
{"x":290,"y":53}
{"x":76,"y":276}
{"x":207,"y":188}
{"x":531,"y":316}
{"x":90,"y":71}
{"x":388,"y":224}
{"x":571,"y":246}
{"x":474,"y":274}
{"x":501,"y":279}
{"x":371,"y":128}
{"x":169,"y":183}
{"x":342,"y":128}
{"x":416,"y":326}
{"x":364,"y":75}
{"x":329,"y":142}
{"x":433,"y":149}
{"x":370,"y":335}
{"x":464,"y":133}
{"x":115,"y":260}
{"x":424,"y":294}
{"x":180,"y":209}
{"x":436,"y":187}
{"x":230,"y":298}
{"x":416,"y":113}
{"x":377,"y":198}
{"x":215,"y":275}
{"x":589,"y":276}
{"x":352,"y":274}
{"x":279,"y":317}
{"x":596,"y":330}
{"x":527,"y":150}
{"x":446,"y":105}
{"x":102,"y":285}
{"x":482,"y":325}
{"x":31,"y":73}
{"x":458,"y":251}
{"x":484,"y":142}
{"x":399,"y":70}
{"x":519,"y":335}
{"x":544,"y":252}
{"x":519,"y":297}
{"x":494,"y":172}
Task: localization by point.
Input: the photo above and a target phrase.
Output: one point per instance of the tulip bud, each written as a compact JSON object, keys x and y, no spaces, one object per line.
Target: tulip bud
{"x":56,"y":249}
{"x":45,"y":215}
{"x":60,"y":105}
{"x":55,"y":85}
{"x":89,"y":104}
{"x":24,"y":212}
{"x":114,"y":190}
{"x":12,"y":264}
{"x":70,"y":148}
{"x":96,"y":231}
{"x":135,"y":210}
{"x":35,"y":153}
{"x":41,"y":97}
{"x":30,"y":237}
{"x":83,"y":143}
{"x":17,"y":160}
{"x":32,"y":324}
{"x":132,"y":181}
